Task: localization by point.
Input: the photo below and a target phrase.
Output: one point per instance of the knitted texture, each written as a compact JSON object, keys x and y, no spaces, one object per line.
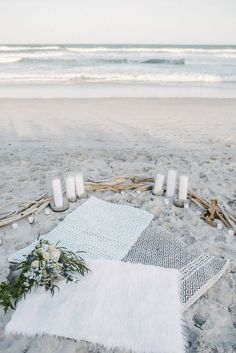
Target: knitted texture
{"x":99,"y":228}
{"x":199,"y":270}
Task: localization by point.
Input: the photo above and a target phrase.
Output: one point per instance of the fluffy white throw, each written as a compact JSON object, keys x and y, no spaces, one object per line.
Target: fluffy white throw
{"x":100,"y":228}
{"x":121,"y":305}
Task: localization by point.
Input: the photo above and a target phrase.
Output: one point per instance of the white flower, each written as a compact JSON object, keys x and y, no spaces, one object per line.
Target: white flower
{"x":46,"y":255}
{"x":55,"y":254}
{"x":39,"y":251}
{"x":35,"y":264}
{"x":45,"y":247}
{"x":52,"y":248}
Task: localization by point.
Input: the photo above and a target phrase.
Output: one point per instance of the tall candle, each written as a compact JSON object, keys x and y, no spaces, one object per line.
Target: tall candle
{"x":158,"y":186}
{"x":70,"y":187}
{"x":57,"y":192}
{"x":79,"y":184}
{"x":171,"y":183}
{"x":183,"y":187}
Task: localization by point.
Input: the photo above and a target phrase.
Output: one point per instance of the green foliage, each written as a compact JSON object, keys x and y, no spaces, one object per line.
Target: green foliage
{"x":43,"y":267}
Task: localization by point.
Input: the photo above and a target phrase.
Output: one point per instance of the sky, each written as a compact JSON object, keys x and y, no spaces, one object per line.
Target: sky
{"x":118,"y":21}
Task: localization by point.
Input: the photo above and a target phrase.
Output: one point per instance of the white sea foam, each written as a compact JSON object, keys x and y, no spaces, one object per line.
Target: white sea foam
{"x":30,"y":48}
{"x":150,"y":49}
{"x":227,"y":56}
{"x":88,"y":77}
{"x":13,"y":58}
{"x":8,"y":60}
{"x":11,"y":48}
{"x":45,"y":54}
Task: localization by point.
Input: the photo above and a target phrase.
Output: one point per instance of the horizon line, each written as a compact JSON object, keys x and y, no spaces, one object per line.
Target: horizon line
{"x":103,"y":43}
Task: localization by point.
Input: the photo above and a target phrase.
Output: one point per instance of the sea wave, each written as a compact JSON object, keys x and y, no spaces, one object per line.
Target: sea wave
{"x":73,"y":78}
{"x":121,"y":49}
{"x":227,"y":56}
{"x":165,"y":61}
{"x":77,"y":61}
{"x":176,"y":50}
{"x":73,"y":60}
{"x":9,"y":48}
{"x":10,"y":58}
{"x":46,"y":54}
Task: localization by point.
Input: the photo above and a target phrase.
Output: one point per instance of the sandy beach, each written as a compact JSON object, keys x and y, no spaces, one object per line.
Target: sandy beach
{"x":104,"y":138}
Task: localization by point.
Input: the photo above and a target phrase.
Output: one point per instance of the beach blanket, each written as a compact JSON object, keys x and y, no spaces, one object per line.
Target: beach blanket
{"x":100,"y":228}
{"x":118,"y":304}
{"x":199,"y":270}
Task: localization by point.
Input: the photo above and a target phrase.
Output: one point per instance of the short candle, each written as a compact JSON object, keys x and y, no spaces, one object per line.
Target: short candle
{"x":158,"y":186}
{"x":70,"y":187}
{"x":183,"y":187}
{"x":79,"y":184}
{"x":171,"y":183}
{"x":57,"y":192}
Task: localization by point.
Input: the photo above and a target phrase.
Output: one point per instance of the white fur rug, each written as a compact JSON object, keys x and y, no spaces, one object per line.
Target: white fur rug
{"x":119,"y":305}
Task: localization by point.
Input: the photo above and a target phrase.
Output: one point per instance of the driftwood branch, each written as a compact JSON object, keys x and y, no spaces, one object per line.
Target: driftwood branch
{"x":33,"y":208}
{"x":211,"y":210}
{"x":119,"y":184}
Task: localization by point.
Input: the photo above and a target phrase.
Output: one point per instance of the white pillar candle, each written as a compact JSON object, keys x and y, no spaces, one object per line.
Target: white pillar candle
{"x":158,"y":186}
{"x":70,"y":187}
{"x":57,"y":192}
{"x":171,"y":183}
{"x":79,"y":184}
{"x":183,"y":187}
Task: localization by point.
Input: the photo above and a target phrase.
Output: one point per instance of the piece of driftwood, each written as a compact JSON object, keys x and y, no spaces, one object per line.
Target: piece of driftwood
{"x":31,"y":208}
{"x":210,"y":214}
{"x":230,"y":212}
{"x":230,"y":222}
{"x":198,"y":199}
{"x":121,"y":183}
{"x":211,"y":210}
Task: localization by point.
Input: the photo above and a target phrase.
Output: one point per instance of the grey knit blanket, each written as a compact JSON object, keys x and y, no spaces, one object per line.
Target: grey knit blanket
{"x":199,"y":270}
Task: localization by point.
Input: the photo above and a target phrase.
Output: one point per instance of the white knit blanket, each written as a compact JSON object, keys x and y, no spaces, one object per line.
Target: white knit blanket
{"x":119,"y":305}
{"x":100,"y":228}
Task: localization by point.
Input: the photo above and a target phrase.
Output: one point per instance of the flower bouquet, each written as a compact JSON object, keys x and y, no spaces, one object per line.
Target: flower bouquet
{"x":43,"y":267}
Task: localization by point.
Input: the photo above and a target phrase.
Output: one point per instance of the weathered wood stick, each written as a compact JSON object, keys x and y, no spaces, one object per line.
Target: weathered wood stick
{"x":201,"y":200}
{"x":114,"y":181}
{"x":137,"y":179}
{"x":35,"y":208}
{"x":232,"y":225}
{"x":231,"y":214}
{"x":221,"y":217}
{"x":219,"y":212}
{"x":42,"y":206}
{"x":145,"y":188}
{"x":120,"y":184}
{"x":7,"y":214}
{"x":197,"y":203}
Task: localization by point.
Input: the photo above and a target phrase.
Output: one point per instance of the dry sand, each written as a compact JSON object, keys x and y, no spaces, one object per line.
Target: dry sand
{"x":103,"y":138}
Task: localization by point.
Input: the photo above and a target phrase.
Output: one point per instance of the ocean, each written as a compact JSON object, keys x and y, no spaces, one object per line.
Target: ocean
{"x":117,"y":70}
